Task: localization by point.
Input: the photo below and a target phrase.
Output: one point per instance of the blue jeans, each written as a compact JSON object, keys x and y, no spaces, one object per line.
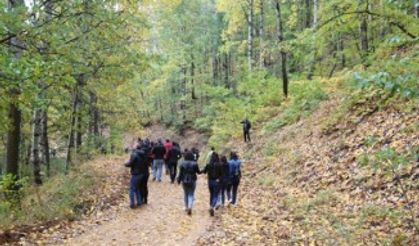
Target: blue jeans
{"x":235,"y":187}
{"x":158,"y":169}
{"x":214,"y":189}
{"x":189,"y":191}
{"x":134,"y":190}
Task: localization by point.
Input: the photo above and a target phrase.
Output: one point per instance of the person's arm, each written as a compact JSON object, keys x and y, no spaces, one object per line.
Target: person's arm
{"x":130,"y":161}
{"x":205,"y":169}
{"x":180,"y":176}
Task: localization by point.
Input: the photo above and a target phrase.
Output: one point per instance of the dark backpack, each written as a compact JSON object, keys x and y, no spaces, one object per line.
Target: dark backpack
{"x":188,"y":177}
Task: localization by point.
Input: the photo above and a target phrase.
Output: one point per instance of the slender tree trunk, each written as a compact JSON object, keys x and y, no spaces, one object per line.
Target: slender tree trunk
{"x":193,"y":95}
{"x":261,"y":33}
{"x":71,"y":140}
{"x":45,"y":141}
{"x":215,"y":69}
{"x":341,"y":48}
{"x":315,"y":12}
{"x":78,"y":131}
{"x":250,"y":35}
{"x":314,"y":58}
{"x":363,"y":34}
{"x":416,"y":6}
{"x":307,"y":23}
{"x":280,"y":33}
{"x":226,"y":70}
{"x":36,"y":136}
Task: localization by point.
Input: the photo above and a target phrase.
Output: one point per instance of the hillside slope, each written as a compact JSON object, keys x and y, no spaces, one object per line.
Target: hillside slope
{"x":311,"y":183}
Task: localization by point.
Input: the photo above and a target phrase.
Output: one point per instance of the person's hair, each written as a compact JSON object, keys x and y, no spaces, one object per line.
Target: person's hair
{"x":189,"y":156}
{"x":167,"y":140}
{"x":234,"y":156}
{"x":215,"y":158}
{"x":175,"y":144}
{"x":223,"y":159}
{"x":212,"y":148}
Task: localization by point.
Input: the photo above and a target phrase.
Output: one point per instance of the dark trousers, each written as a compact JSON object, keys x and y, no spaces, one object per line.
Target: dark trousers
{"x":134,"y":190}
{"x":144,"y":188}
{"x":234,"y":188}
{"x":246,"y":134}
{"x":172,"y":170}
{"x":225,"y":190}
{"x":214,"y":189}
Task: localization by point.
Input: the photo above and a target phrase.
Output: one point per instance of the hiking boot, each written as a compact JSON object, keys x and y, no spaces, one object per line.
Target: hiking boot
{"x":211,"y":211}
{"x":189,"y":211}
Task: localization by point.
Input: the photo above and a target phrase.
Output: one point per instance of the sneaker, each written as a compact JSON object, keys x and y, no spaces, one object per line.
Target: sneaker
{"x":211,"y":211}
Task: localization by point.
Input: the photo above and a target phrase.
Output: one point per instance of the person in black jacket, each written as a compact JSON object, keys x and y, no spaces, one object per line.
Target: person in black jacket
{"x":225,"y":181}
{"x":246,"y":129}
{"x":158,"y":154}
{"x":139,"y":169}
{"x":187,"y":176}
{"x":214,"y":171}
{"x":172,"y":160}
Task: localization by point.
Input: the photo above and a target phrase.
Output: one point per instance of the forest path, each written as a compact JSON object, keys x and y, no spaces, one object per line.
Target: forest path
{"x":161,"y":222}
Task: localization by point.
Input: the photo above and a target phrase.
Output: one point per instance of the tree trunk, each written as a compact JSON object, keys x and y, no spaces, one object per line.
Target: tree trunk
{"x":193,"y":95}
{"x":250,"y":36}
{"x":14,"y":114}
{"x":45,"y":141}
{"x":315,"y":12}
{"x":363,"y":34}
{"x":13,"y":140}
{"x":416,"y":3}
{"x":226,"y":70}
{"x":307,"y":23}
{"x":280,"y":33}
{"x":314,"y":58}
{"x":261,"y":34}
{"x":71,"y":134}
{"x":36,"y":139}
{"x":79,"y":134}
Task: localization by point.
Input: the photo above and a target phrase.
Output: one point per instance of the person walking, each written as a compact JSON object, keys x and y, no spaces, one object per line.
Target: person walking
{"x":158,"y":153}
{"x":235,"y":175}
{"x":225,"y":182}
{"x":139,"y":168}
{"x":172,"y":158}
{"x":167,"y":146}
{"x":246,"y":129}
{"x":187,"y":176}
{"x":144,"y":184}
{"x":213,"y":170}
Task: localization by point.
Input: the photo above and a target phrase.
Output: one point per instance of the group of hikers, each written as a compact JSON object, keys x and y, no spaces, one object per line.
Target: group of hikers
{"x":223,"y":173}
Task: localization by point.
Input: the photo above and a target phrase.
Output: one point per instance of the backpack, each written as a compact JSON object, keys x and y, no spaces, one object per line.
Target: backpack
{"x":235,"y":169}
{"x":188,"y":177}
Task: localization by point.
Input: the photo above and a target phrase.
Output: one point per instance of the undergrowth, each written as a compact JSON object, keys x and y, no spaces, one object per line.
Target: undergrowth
{"x":61,"y":197}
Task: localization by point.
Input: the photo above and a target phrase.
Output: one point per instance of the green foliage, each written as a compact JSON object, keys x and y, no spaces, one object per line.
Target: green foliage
{"x":304,"y":99}
{"x":60,"y":197}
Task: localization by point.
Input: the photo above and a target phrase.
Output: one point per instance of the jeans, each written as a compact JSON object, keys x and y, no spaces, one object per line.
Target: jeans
{"x":225,"y":189}
{"x":235,"y":187}
{"x":134,"y":190}
{"x":189,"y":191}
{"x":172,"y":170}
{"x":157,"y":169}
{"x":214,"y":189}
